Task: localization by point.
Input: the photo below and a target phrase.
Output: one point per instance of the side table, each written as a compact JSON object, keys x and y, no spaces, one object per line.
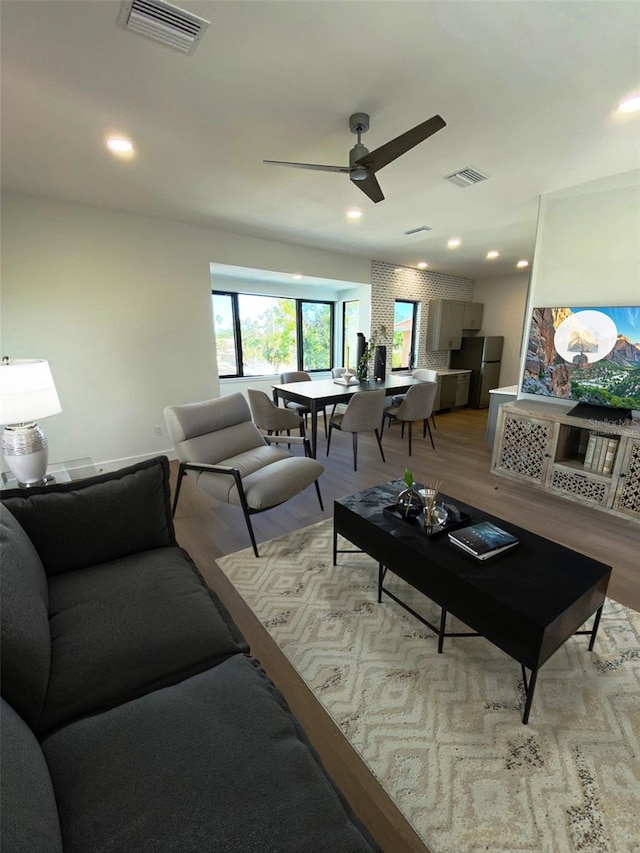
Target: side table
{"x":59,"y":472}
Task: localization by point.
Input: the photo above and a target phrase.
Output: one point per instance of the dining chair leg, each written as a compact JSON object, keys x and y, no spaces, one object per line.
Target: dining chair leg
{"x":316,"y":484}
{"x":329,"y":437}
{"x":380,"y":445}
{"x":433,"y":421}
{"x":402,"y":430}
{"x":430,"y":436}
{"x":410,"y":434}
{"x":355,"y":450}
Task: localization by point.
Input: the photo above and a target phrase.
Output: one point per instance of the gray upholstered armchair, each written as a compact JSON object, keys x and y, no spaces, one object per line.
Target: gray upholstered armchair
{"x":416,"y":405}
{"x":218,"y":443}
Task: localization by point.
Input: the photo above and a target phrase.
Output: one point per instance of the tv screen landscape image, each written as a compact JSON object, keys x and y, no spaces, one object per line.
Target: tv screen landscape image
{"x":586,"y":355}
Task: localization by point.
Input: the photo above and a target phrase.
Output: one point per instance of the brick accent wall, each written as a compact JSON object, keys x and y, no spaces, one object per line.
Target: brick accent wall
{"x":390,"y":282}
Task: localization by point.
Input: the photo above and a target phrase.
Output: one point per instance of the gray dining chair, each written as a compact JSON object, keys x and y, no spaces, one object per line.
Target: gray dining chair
{"x":420,"y":374}
{"x":271,"y":418}
{"x":362,"y":414}
{"x":417,"y":405}
{"x":219,"y":445}
{"x":300,"y":408}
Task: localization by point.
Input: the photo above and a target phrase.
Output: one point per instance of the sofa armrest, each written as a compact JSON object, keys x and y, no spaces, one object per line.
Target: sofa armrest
{"x":79,"y":524}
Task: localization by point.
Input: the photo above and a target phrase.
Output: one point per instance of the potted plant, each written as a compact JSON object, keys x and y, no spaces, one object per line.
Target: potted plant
{"x":409,"y":501}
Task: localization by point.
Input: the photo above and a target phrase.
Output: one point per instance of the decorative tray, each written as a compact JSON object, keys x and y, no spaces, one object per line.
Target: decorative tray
{"x":455,"y":519}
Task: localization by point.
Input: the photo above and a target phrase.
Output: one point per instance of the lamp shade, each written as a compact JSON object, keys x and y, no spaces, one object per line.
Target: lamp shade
{"x":27,"y":391}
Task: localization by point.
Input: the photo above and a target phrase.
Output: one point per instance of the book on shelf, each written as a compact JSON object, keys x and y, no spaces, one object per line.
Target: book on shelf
{"x":591,"y":446}
{"x":483,"y":540}
{"x":610,"y":456}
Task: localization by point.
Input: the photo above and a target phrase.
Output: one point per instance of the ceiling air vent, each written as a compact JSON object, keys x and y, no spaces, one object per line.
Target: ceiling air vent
{"x":163,"y":22}
{"x":466,"y":177}
{"x":418,"y":229}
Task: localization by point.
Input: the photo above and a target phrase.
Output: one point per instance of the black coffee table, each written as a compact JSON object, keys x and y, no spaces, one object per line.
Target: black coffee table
{"x":527,"y":601}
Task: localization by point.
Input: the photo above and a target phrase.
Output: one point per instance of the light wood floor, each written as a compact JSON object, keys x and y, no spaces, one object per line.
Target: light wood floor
{"x":461,"y":462}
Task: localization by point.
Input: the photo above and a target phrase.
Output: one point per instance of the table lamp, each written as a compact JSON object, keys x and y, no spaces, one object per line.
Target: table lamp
{"x":27,"y":392}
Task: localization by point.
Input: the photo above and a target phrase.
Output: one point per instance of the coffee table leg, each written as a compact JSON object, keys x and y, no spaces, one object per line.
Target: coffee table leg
{"x":443,"y":620}
{"x":335,"y":545}
{"x":381,"y":573}
{"x":594,"y":630}
{"x":529,"y":688}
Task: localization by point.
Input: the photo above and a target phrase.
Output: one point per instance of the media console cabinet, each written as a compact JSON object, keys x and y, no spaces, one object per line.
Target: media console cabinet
{"x":540,"y":444}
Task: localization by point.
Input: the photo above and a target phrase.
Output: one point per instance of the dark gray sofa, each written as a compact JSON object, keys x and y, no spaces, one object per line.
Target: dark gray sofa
{"x":133,"y":716}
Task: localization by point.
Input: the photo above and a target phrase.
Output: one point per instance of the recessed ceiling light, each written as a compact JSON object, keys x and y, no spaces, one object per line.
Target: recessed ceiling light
{"x":120,"y":145}
{"x":422,"y":265}
{"x":453,"y":243}
{"x":630,"y":105}
{"x":354,"y":214}
{"x":492,"y":254}
{"x":522,"y":264}
{"x":296,"y":276}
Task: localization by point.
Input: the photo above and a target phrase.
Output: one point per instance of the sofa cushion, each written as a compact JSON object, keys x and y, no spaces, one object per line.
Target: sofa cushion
{"x":29,"y":814}
{"x":214,"y":763}
{"x":123,"y":628}
{"x":78,"y":524}
{"x":24,"y":620}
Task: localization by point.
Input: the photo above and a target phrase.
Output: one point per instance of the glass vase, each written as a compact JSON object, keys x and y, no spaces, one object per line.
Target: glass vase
{"x":409,"y":503}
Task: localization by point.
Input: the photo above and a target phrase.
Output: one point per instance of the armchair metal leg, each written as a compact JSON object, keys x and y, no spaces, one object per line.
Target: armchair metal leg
{"x":380,"y":445}
{"x":329,"y":437}
{"x":181,"y":473}
{"x":319,"y":495}
{"x":245,"y":510}
{"x":355,"y":450}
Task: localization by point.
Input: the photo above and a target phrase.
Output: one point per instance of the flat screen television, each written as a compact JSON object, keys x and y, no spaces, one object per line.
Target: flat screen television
{"x":587,"y":355}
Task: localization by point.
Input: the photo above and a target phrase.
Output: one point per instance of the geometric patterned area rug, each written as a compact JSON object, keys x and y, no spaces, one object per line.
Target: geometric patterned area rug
{"x":443,"y":734}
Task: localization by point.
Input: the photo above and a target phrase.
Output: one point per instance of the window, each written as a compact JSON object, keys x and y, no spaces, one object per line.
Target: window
{"x":258,"y":335}
{"x":350,"y":323}
{"x":404,"y":326}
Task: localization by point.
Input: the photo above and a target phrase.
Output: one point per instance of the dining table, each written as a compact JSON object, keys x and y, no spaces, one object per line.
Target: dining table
{"x":315,"y":394}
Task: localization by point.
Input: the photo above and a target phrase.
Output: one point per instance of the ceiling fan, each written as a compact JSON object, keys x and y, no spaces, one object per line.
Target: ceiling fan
{"x":363,"y":164}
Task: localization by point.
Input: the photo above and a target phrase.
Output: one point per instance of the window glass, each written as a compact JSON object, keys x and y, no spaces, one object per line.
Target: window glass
{"x":351,"y":322}
{"x":223,"y":323}
{"x":316,"y":324}
{"x":268,"y":332}
{"x":404,"y":321}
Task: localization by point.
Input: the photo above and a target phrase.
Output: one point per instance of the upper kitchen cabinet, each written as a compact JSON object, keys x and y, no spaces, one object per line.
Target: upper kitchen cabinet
{"x":472,"y":315}
{"x":444,"y":324}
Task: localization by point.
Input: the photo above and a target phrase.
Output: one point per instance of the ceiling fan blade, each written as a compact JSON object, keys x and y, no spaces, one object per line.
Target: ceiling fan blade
{"x":370,"y":187}
{"x":401,"y":144}
{"x":313,"y":166}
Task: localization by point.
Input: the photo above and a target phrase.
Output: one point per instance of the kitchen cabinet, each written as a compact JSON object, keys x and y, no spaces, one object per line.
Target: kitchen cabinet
{"x":444,"y":324}
{"x":462,"y":389}
{"x":472,"y":315}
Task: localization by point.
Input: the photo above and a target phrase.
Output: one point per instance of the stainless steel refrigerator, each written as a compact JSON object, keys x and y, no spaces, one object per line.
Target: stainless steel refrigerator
{"x":482,"y":356}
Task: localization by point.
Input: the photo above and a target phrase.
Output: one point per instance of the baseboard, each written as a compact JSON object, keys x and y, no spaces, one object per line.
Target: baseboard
{"x":115,"y":464}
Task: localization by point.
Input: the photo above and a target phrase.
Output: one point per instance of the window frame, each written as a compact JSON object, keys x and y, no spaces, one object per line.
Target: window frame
{"x":237,"y":331}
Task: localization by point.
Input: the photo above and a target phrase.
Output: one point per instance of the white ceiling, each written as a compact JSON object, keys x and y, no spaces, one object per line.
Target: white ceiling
{"x":527,"y":89}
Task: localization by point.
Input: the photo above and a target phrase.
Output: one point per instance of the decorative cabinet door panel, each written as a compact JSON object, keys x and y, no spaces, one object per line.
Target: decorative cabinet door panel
{"x":525,"y":448}
{"x":627,"y":494}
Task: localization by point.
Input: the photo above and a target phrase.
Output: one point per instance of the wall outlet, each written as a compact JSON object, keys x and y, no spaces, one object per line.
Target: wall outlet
{"x":157,"y":430}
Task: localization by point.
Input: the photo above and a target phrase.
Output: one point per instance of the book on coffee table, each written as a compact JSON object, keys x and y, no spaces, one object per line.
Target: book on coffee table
{"x":483,"y":540}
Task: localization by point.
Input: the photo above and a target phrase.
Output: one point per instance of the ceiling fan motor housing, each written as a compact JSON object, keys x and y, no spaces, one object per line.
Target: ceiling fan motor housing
{"x":357,"y":172}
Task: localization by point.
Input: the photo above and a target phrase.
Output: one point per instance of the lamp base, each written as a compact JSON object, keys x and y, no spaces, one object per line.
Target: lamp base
{"x":26,"y":452}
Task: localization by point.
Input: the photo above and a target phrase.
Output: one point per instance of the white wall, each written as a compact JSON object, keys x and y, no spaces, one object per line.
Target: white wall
{"x":120,"y":305}
{"x":588,"y":247}
{"x":504,"y":299}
